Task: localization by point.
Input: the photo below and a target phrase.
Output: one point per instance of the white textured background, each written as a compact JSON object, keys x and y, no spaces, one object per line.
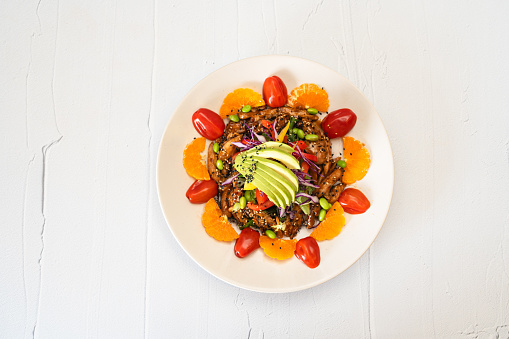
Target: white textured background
{"x":87,"y":87}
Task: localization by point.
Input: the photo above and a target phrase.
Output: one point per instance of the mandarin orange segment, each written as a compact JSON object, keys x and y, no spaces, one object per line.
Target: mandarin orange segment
{"x":193,"y":160}
{"x":331,"y":226}
{"x":216,"y":224}
{"x":309,"y":96}
{"x":357,"y":160}
{"x":237,"y":99}
{"x":279,"y":249}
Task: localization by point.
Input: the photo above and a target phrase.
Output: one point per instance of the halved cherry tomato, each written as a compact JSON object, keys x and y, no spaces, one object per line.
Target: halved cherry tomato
{"x":261,"y":197}
{"x":275,"y":93}
{"x":338,"y":123}
{"x":260,"y":207}
{"x":208,"y":123}
{"x":311,"y":157}
{"x":201,"y":191}
{"x":354,"y":201}
{"x":248,"y":241}
{"x":308,"y":251}
{"x":301,"y":144}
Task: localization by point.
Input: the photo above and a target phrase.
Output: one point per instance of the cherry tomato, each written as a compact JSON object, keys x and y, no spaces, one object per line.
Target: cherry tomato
{"x":274,"y":92}
{"x":261,"y":197}
{"x":260,"y":207}
{"x":247,"y":242}
{"x":308,"y":251}
{"x":336,"y":124}
{"x":208,"y":123}
{"x":354,"y":201}
{"x":201,"y":191}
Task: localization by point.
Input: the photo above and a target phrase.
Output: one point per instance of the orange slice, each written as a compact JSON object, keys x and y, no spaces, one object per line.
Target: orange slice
{"x":216,"y":223}
{"x":309,"y":96}
{"x":357,"y":160}
{"x":237,"y":99}
{"x":193,"y":161}
{"x":331,"y":226}
{"x":280,"y":249}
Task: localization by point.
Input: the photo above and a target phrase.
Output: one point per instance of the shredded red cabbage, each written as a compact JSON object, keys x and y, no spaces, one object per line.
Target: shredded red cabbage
{"x":230,"y":180}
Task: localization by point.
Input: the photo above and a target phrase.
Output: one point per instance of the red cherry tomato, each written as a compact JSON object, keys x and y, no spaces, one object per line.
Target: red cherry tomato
{"x":201,"y":191}
{"x":247,"y":242}
{"x":261,"y":197}
{"x":208,"y":123}
{"x":274,"y":92}
{"x":336,"y":124}
{"x":354,"y":201}
{"x":308,"y":251}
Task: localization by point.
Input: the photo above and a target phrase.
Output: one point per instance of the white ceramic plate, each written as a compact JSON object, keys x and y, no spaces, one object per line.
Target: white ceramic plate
{"x":258,"y":272}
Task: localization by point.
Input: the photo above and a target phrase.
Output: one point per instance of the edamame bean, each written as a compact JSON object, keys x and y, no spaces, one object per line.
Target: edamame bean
{"x":242,"y":202}
{"x":246,"y":108}
{"x":324,"y":204}
{"x":300,"y":134}
{"x":270,"y":234}
{"x":236,"y":207}
{"x":234,"y":118}
{"x":312,"y":137}
{"x":219,"y":164}
{"x":312,"y":111}
{"x":322,"y":214}
{"x":215,"y":147}
{"x":295,"y":130}
{"x":341,"y":163}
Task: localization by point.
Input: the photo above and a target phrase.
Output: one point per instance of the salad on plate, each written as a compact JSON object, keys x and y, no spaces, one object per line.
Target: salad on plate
{"x":270,"y":171}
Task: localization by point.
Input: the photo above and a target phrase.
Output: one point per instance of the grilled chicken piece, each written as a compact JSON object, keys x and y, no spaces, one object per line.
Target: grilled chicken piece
{"x":330,"y":180}
{"x":228,"y":149}
{"x":263,"y":220}
{"x":225,"y":208}
{"x":333,"y":195}
{"x":311,"y":217}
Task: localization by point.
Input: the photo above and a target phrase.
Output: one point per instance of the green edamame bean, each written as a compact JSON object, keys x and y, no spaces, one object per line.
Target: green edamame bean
{"x":341,"y":163}
{"x":234,"y":118}
{"x":219,"y":164}
{"x":322,"y":214}
{"x":270,"y":234}
{"x":243,"y":202}
{"x":215,"y":147}
{"x":312,"y":137}
{"x":324,"y":204}
{"x":236,"y":207}
{"x":246,"y":108}
{"x":312,"y":111}
{"x":295,"y":130}
{"x":300,"y":134}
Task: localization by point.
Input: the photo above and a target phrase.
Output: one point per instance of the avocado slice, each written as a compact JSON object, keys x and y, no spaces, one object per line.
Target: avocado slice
{"x":273,"y":145}
{"x":288,"y":175}
{"x":265,"y":187}
{"x":278,"y":181}
{"x":286,"y":159}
